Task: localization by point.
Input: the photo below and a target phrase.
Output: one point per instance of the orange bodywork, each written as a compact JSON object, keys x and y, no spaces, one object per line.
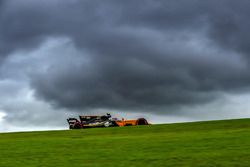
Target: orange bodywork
{"x":126,"y":122}
{"x":140,"y":121}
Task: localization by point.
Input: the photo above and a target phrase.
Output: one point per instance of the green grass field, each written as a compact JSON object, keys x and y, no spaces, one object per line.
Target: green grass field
{"x":213,"y":143}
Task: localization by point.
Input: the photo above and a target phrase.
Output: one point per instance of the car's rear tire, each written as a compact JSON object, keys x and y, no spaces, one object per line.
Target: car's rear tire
{"x":77,"y":126}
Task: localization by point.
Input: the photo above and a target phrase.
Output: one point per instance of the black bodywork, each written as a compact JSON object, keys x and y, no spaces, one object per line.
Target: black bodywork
{"x":91,"y":121}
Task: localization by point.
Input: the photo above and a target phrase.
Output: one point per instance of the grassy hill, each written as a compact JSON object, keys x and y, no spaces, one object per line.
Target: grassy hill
{"x":213,"y":143}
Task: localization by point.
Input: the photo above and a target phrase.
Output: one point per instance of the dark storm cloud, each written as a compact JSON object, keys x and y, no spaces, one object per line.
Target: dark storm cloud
{"x":133,"y":54}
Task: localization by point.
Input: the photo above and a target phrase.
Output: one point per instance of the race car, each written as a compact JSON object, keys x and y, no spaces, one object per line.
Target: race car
{"x":103,"y":121}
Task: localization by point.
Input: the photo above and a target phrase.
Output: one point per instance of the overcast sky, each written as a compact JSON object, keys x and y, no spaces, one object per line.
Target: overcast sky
{"x":165,"y":60}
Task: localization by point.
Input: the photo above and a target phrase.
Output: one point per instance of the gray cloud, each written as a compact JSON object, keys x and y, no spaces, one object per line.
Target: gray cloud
{"x":123,"y":55}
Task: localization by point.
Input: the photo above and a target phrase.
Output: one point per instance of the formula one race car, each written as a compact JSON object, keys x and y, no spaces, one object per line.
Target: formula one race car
{"x":102,"y":121}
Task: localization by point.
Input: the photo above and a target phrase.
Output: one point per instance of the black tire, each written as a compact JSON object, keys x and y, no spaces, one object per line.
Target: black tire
{"x":142,"y":121}
{"x":77,"y":126}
